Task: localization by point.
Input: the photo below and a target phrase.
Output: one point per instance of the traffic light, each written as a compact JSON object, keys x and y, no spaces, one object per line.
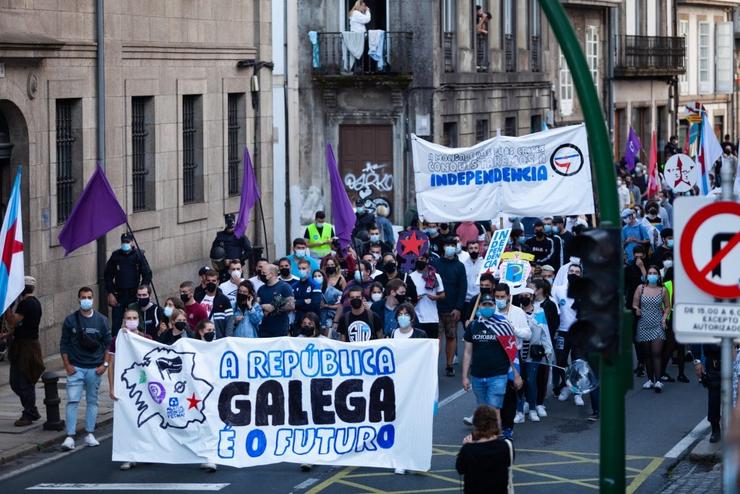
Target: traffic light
{"x":597,"y":293}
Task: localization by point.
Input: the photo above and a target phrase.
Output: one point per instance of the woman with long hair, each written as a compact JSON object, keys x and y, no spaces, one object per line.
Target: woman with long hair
{"x":330,"y":266}
{"x":652,"y":306}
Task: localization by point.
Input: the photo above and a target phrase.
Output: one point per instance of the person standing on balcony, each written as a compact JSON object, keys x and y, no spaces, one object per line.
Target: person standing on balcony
{"x":359,"y":16}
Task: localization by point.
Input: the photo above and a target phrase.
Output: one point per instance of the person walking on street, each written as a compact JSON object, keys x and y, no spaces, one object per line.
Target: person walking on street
{"x":652,"y":307}
{"x":455,"y":281}
{"x":126,"y":270}
{"x":84,"y":345}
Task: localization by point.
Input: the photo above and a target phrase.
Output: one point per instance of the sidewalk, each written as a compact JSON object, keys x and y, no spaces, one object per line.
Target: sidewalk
{"x":17,"y":441}
{"x":699,"y":471}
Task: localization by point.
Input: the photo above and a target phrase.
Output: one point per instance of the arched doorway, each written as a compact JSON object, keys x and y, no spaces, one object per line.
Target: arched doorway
{"x":13,"y":153}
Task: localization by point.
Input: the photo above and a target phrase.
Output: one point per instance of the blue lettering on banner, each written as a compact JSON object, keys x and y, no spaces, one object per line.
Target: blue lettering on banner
{"x":490,"y":176}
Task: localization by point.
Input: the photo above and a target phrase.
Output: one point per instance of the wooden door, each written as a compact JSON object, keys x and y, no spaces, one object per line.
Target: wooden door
{"x":366,"y":163}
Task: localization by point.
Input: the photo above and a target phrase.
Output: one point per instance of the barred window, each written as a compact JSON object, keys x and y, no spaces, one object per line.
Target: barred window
{"x":236,"y":141}
{"x":192,"y":148}
{"x":481,"y":130}
{"x":510,"y":126}
{"x":69,"y":155}
{"x":142,"y":152}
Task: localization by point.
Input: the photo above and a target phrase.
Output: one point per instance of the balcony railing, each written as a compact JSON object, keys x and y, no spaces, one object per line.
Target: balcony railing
{"x":650,"y":56}
{"x":448,"y":49}
{"x":509,"y":53}
{"x":330,"y":56}
{"x":481,"y":52}
{"x":535,"y":54}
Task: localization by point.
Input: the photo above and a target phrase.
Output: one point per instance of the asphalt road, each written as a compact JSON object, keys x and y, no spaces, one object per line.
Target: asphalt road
{"x":557,"y":455}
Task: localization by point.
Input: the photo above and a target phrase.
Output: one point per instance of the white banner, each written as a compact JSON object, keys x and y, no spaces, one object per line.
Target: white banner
{"x":544,"y":173}
{"x":244,"y":402}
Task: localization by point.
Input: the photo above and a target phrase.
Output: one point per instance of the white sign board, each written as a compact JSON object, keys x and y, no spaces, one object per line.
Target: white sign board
{"x":713,"y":320}
{"x":495,"y":249}
{"x":680,"y":173}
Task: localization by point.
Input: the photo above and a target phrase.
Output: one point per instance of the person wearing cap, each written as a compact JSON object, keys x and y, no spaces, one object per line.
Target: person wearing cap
{"x":633,"y":233}
{"x":548,"y":273}
{"x":319,"y":235}
{"x":200,"y":290}
{"x":126,"y":270}
{"x":233,"y":247}
{"x":26,"y":362}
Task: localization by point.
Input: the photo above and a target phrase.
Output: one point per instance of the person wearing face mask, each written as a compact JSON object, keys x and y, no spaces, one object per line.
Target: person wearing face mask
{"x":391,"y":271}
{"x":151,"y":315}
{"x":230,"y":286}
{"x":126,"y":270}
{"x":541,"y":246}
{"x":259,"y":278}
{"x":247,"y":312}
{"x":516,"y":241}
{"x":373,"y":258}
{"x":361,"y":279}
{"x":177,"y":328}
{"x":195,"y":312}
{"x":429,"y":289}
{"x":170,"y":304}
{"x":307,"y":295}
{"x":359,"y":323}
{"x":218,"y":306}
{"x":558,"y":244}
{"x":375,"y":239}
{"x":227,"y":243}
{"x":277,"y":301}
{"x":665,"y":250}
{"x":435,"y":239}
{"x":455,"y":281}
{"x":547,"y":272}
{"x":405,"y":320}
{"x":671,"y":345}
{"x":385,"y":307}
{"x":286,"y":274}
{"x":652,"y":307}
{"x":564,"y":345}
{"x":330,"y":266}
{"x":84,"y":348}
{"x":300,"y":251}
{"x":634,"y":275}
{"x":623,"y":194}
{"x":472,"y":267}
{"x":318,"y":235}
{"x":330,"y":301}
{"x":633,"y":233}
{"x":545,"y":310}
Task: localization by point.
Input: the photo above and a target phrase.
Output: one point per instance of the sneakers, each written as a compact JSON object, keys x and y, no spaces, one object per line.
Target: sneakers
{"x":541,"y":411}
{"x":715,"y":436}
{"x":519,"y":418}
{"x":578,"y":399}
{"x":399,"y":471}
{"x":128,"y":465}
{"x":658,"y":386}
{"x":208,"y":467}
{"x":468,"y":420}
{"x":564,"y":394}
{"x":533,"y":417}
{"x":507,"y":433}
{"x":525,"y":409}
{"x":450,"y":371}
{"x":594,"y":417}
{"x":667,"y":379}
{"x":648,"y":384}
{"x":91,"y":441}
{"x":68,"y":444}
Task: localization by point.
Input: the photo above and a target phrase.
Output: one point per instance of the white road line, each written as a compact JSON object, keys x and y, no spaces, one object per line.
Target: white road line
{"x":682,"y":445}
{"x":451,"y":398}
{"x":306,"y":484}
{"x":127,"y":487}
{"x":48,"y":460}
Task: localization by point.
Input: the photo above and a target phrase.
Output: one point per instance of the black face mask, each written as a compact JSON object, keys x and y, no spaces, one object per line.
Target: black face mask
{"x":284,"y":272}
{"x":211,"y":287}
{"x":355,"y":303}
{"x":262,"y":278}
{"x":181,"y":325}
{"x":572,"y":278}
{"x":525,"y":301}
{"x":401,"y":298}
{"x":241,"y":298}
{"x":474,"y":255}
{"x":209,"y":336}
{"x":307,"y":331}
{"x":390,"y":267}
{"x":143,"y":302}
{"x":539,"y":234}
{"x":184,"y":297}
{"x":486,"y":291}
{"x":420,"y":265}
{"x":331,"y":270}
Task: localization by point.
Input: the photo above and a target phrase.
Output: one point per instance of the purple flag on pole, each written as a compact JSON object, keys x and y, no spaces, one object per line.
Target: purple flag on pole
{"x":96,"y":212}
{"x":343,"y":212}
{"x":250,"y":194}
{"x":632,"y":151}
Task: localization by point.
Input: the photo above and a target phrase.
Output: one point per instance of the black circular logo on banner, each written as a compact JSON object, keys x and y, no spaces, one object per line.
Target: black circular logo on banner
{"x":567,"y":160}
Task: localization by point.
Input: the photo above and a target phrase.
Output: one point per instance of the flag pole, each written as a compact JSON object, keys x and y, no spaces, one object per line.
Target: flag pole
{"x":264,"y":228}
{"x":140,"y":252}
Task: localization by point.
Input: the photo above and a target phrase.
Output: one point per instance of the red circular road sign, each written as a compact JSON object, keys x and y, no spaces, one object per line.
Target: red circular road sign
{"x":699,"y":275}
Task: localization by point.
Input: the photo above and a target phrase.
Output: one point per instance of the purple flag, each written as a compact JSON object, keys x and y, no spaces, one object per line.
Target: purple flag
{"x":343,"y":212}
{"x":250,"y":194}
{"x":96,"y":213}
{"x":632,"y":151}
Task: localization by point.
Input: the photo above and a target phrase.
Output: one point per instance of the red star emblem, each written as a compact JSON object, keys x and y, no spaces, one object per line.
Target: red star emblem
{"x":411,"y":244}
{"x":193,"y":402}
{"x":11,"y":246}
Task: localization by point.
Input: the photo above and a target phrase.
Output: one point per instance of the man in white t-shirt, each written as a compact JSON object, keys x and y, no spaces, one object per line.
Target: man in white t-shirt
{"x":515,"y":315}
{"x":429,"y":289}
{"x":563,"y":344}
{"x":231,"y":286}
{"x":473,"y":264}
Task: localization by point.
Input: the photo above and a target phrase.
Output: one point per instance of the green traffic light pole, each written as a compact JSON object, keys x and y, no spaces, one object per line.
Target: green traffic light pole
{"x":615,"y":369}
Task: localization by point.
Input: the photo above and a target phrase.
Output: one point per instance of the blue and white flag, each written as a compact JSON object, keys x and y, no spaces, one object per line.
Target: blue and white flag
{"x":11,"y":248}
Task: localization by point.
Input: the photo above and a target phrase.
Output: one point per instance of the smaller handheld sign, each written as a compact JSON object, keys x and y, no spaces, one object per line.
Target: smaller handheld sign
{"x":495,"y":249}
{"x":410,"y":245}
{"x":680,"y":173}
{"x":514,"y":270}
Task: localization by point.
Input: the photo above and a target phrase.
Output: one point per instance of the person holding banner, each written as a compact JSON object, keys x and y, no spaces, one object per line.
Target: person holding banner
{"x":359,"y":323}
{"x":406,"y":318}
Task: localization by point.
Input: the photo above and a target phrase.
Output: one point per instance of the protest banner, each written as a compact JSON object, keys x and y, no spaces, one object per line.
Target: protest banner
{"x":495,"y":249}
{"x":515,"y":269}
{"x":243,"y":402}
{"x":522,"y":176}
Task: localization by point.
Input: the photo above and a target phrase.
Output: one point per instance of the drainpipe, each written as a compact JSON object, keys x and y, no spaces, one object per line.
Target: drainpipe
{"x":100,"y":127}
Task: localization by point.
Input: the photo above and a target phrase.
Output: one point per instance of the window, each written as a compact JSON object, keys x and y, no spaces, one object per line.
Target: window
{"x":481,"y":130}
{"x":705,"y":74}
{"x":142,"y":152}
{"x":566,"y":87}
{"x":236,"y":141}
{"x":592,"y":52}
{"x":683,"y":79}
{"x":449,"y":134}
{"x":535,"y":37}
{"x":535,"y":124}
{"x":69,"y":155}
{"x":192,"y":148}
{"x":449,"y":18}
{"x":510,"y":126}
{"x":508,"y":28}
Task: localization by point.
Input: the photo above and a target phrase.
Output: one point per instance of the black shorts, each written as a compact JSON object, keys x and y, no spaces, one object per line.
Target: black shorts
{"x":431,"y":329}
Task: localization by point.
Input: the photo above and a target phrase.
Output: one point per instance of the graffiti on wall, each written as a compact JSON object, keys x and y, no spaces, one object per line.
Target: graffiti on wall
{"x":373,"y":185}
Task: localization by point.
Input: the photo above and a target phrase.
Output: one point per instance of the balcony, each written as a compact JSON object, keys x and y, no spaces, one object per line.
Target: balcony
{"x":481,"y":52}
{"x":331,"y":60}
{"x":650,"y":56}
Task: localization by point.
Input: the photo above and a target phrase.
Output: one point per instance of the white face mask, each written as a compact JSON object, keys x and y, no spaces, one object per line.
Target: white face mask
{"x":132,"y":324}
{"x":236,"y":274}
{"x":376,"y":297}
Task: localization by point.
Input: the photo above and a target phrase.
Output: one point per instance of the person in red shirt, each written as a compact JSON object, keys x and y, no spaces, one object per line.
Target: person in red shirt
{"x":195,"y":311}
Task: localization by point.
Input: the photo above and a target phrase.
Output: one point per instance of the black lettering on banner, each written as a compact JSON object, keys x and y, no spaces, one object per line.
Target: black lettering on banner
{"x":320,"y":400}
{"x":382,"y":400}
{"x":350,"y":409}
{"x":270,"y":402}
{"x":296,"y":414}
{"x":226,"y":412}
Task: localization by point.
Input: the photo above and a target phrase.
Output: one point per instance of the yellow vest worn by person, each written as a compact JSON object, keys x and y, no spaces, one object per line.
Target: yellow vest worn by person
{"x":315,"y":237}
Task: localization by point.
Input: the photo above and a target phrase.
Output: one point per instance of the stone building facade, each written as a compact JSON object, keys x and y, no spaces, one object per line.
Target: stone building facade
{"x":179,"y":110}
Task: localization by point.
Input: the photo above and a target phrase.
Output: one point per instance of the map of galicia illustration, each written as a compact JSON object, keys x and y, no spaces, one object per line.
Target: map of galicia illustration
{"x":165,"y":385}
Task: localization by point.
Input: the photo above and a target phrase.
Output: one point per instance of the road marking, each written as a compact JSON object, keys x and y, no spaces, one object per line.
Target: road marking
{"x":306,"y":484}
{"x":642,"y":476}
{"x":682,"y":445}
{"x":127,"y":487}
{"x":451,"y":398}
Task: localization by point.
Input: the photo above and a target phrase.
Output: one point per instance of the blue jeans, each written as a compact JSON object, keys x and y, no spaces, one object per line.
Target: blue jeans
{"x":489,"y":390}
{"x":529,"y":375}
{"x":90,"y":381}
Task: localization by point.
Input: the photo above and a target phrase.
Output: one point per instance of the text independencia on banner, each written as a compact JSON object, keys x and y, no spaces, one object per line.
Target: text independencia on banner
{"x":547,"y":172}
{"x":244,"y":402}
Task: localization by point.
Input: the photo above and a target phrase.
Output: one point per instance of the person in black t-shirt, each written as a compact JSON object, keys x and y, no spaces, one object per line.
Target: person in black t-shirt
{"x":359,"y":323}
{"x":26,"y":362}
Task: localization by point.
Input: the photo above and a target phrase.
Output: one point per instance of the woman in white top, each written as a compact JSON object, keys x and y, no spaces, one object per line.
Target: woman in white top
{"x":359,"y":16}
